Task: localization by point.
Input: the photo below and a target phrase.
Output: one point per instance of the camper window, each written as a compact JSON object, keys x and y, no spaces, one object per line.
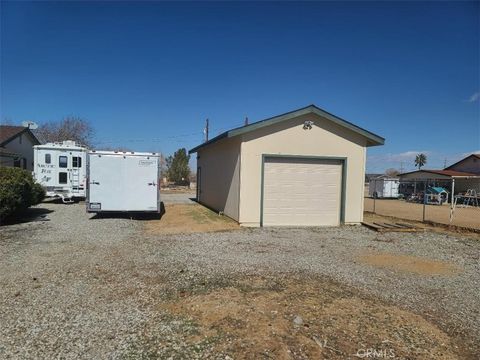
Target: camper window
{"x":62,"y":178}
{"x":48,"y":158}
{"x":76,"y":161}
{"x":62,"y":161}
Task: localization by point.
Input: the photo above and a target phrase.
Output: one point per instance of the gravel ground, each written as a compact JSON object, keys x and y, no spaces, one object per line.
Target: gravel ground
{"x":178,"y":197}
{"x":76,"y":286}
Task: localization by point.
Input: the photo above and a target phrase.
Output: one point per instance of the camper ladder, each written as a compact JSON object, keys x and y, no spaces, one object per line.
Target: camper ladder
{"x":75,"y":180}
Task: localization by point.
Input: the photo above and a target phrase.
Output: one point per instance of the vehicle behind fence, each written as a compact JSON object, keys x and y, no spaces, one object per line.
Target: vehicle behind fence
{"x":454,"y":201}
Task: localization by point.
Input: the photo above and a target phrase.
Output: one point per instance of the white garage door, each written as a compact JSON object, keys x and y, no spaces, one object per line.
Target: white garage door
{"x":301,"y":192}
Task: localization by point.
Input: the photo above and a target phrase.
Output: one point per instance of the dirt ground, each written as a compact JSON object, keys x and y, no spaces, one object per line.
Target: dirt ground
{"x":79,"y":286}
{"x":182,"y":219}
{"x":464,"y":217}
{"x":409,"y":263}
{"x":308,"y":319}
{"x":425,"y":226}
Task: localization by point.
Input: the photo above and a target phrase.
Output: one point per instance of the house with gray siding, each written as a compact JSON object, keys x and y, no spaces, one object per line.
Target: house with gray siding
{"x":16,"y":146}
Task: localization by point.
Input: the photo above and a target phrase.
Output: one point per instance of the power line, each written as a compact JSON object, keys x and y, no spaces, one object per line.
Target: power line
{"x":106,"y":141}
{"x":143,"y":140}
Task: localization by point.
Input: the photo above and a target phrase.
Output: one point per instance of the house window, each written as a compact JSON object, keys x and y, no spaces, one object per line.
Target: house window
{"x":48,"y":158}
{"x":76,"y":162}
{"x":17,"y":162}
{"x":62,"y":161}
{"x":62,"y":178}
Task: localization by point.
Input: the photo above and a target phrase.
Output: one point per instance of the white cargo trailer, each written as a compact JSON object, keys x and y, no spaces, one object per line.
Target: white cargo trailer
{"x":123,"y":181}
{"x":60,"y":169}
{"x":383,"y":187}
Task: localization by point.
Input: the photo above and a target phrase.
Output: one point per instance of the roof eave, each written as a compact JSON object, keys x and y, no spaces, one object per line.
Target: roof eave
{"x":466,"y":176}
{"x":372,"y":139}
{"x":448,"y":176}
{"x":27,"y":130}
{"x":442,"y":176}
{"x":206,"y":143}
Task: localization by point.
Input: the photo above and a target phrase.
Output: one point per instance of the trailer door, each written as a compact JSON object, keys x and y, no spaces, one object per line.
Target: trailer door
{"x":104,"y":182}
{"x":140,"y":180}
{"x":122,"y":183}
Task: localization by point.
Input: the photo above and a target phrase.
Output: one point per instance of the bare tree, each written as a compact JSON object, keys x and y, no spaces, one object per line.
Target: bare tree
{"x":69,"y":128}
{"x":116,"y":148}
{"x":163,"y":166}
{"x":392,"y":172}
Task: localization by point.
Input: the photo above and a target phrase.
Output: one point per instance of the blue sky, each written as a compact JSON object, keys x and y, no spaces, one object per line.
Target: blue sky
{"x":147,"y":75}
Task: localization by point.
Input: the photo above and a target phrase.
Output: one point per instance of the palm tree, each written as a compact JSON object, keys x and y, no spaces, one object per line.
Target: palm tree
{"x":420,"y":160}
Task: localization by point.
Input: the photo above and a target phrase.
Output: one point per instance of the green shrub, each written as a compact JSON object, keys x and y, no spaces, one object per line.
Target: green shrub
{"x":18,"y":191}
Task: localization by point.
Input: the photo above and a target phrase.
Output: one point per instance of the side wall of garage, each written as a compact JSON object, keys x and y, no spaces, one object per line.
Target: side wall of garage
{"x":219,"y":174}
{"x":325,"y":139}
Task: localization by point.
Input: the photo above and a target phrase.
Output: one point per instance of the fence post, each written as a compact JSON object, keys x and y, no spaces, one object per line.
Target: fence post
{"x":424,"y":198}
{"x":374,"y":194}
{"x":452,"y":196}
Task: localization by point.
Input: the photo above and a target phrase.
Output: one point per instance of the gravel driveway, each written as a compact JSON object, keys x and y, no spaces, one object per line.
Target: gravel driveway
{"x":76,"y":286}
{"x":178,"y":197}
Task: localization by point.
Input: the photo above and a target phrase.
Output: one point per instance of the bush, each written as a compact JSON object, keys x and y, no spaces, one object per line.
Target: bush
{"x":18,"y":191}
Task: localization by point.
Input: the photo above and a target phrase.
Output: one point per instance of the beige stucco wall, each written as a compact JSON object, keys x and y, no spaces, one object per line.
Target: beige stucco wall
{"x":220,"y":176}
{"x":289,"y":138}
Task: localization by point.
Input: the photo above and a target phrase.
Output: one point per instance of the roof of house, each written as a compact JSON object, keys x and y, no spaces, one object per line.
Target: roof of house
{"x":450,"y":173}
{"x":436,"y":190}
{"x":10,"y":132}
{"x":372,"y":139}
{"x":465,"y":158}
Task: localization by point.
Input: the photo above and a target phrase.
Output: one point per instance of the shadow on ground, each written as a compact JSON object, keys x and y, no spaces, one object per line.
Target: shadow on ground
{"x":131,"y":215}
{"x":28,"y":215}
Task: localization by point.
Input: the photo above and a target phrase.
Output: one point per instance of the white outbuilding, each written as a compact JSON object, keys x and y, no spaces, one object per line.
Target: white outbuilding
{"x":302,"y":168}
{"x":384,"y":187}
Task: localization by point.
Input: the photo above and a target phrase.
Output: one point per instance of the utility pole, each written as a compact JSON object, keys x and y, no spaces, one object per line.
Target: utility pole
{"x":205,"y":131}
{"x":401,"y":167}
{"x":246,"y":120}
{"x":445,"y":163}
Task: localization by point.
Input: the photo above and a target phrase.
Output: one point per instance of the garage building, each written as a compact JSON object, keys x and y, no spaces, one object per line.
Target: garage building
{"x":302,"y":168}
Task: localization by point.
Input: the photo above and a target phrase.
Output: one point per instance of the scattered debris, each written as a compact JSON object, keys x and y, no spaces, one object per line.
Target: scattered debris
{"x":389,"y":227}
{"x":298,"y":320}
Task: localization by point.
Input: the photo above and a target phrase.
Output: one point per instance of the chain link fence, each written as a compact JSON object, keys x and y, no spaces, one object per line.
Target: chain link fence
{"x":453,"y":201}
